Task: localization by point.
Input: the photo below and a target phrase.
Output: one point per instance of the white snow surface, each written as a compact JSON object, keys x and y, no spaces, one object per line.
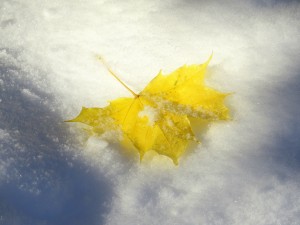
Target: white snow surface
{"x":246,"y":171}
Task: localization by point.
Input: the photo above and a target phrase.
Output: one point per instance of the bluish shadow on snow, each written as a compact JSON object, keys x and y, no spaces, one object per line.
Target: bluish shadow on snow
{"x":279,"y":155}
{"x":268,"y":3}
{"x":40,"y":182}
{"x":285,"y":111}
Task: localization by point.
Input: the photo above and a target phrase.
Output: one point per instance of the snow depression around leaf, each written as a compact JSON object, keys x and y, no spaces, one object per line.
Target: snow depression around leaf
{"x":158,"y":117}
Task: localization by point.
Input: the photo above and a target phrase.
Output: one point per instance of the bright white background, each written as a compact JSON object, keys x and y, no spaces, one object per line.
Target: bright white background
{"x":245,"y":172}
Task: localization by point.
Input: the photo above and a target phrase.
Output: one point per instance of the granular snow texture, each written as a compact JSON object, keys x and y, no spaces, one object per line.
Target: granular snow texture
{"x":246,"y":171}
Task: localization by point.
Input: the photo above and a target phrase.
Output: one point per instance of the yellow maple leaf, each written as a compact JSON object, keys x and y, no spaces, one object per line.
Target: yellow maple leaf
{"x":158,"y":117}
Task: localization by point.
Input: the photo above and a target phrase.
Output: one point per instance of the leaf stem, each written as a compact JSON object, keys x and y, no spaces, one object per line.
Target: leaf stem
{"x":115,"y":76}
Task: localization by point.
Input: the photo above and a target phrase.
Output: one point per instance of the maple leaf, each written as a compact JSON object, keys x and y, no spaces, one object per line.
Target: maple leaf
{"x":158,"y":117}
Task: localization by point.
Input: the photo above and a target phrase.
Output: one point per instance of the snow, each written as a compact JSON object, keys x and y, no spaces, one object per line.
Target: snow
{"x":150,"y":113}
{"x":245,"y":171}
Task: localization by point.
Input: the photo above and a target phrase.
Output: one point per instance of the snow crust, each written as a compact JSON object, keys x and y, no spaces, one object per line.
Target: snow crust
{"x":246,"y":171}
